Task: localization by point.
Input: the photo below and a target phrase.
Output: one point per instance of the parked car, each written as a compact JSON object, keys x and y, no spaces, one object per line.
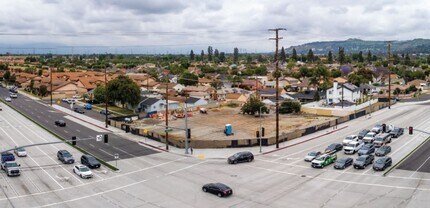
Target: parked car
{"x":377,"y":129}
{"x":60,"y":123}
{"x":82,"y":171}
{"x":382,"y":139}
{"x":65,"y":157}
{"x":7,"y":99}
{"x":362,"y":133}
{"x":396,"y":132}
{"x":219,"y":189}
{"x":367,"y":149}
{"x":370,"y":137}
{"x":90,"y":161}
{"x":13,"y":95}
{"x":79,"y":110}
{"x":333,"y":148}
{"x":312,"y":155}
{"x":88,"y":106}
{"x":383,"y":151}
{"x":349,"y":139}
{"x":353,"y":147}
{"x":323,"y":160}
{"x":104,"y":112}
{"x":240,"y":157}
{"x":70,"y":101}
{"x":382,"y":163}
{"x":363,"y":161}
{"x":343,"y":163}
{"x":20,"y":151}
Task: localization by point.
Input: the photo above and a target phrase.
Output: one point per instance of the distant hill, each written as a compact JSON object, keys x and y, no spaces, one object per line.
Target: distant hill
{"x":357,"y":45}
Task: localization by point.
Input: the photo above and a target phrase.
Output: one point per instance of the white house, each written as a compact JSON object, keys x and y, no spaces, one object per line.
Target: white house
{"x":151,"y":105}
{"x":350,"y":93}
{"x":178,"y":87}
{"x":194,"y":101}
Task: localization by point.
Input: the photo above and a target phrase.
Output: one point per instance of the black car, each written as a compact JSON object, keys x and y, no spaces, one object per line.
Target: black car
{"x":382,"y":151}
{"x":366,"y":149}
{"x":218,"y":189}
{"x":79,"y":110}
{"x":60,"y":123}
{"x":382,"y":163}
{"x":333,"y":148}
{"x":396,"y":132}
{"x":363,"y":161}
{"x":240,"y":157}
{"x":90,"y":161}
{"x":104,"y":112}
{"x":65,"y":157}
{"x":363,"y":133}
{"x":343,"y":163}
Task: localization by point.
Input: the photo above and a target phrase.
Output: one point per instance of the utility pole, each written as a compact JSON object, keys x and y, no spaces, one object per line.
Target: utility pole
{"x":106,"y":99}
{"x":167,"y":112}
{"x":389,"y":75}
{"x":277,"y":81}
{"x":50,"y":76}
{"x":186,"y":125}
{"x":342,"y":95}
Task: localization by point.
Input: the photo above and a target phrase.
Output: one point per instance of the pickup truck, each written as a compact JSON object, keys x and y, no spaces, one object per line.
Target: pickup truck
{"x":369,"y":138}
{"x":353,"y":147}
{"x":323,"y":160}
{"x":11,"y":168}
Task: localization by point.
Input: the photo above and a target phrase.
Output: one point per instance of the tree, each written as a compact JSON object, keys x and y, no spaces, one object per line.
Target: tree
{"x":31,"y":85}
{"x":210,"y":53}
{"x":12,"y":79}
{"x":413,"y":88}
{"x":310,"y":56}
{"x":305,"y":72}
{"x":282,"y":56}
{"x":289,"y":106}
{"x":216,"y":53}
{"x":6,"y":76}
{"x":335,"y":73}
{"x":248,"y":59}
{"x":317,"y":96}
{"x":124,"y":90}
{"x":43,"y":90}
{"x":407,"y":60}
{"x":192,"y":55}
{"x":396,"y":91}
{"x":222,"y":57}
{"x":236,"y":55}
{"x":369,"y":57}
{"x":294,"y":56}
{"x":202,"y":56}
{"x":253,"y":105}
{"x":342,"y":58}
{"x":330,"y":57}
{"x":99,"y":94}
{"x":188,"y":78}
{"x":360,"y":57}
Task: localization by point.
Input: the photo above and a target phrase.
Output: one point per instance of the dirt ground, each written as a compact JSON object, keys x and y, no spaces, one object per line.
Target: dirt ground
{"x":211,"y":126}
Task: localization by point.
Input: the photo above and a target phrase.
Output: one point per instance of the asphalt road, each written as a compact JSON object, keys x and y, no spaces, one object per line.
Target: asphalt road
{"x":46,"y":116}
{"x":91,"y":113}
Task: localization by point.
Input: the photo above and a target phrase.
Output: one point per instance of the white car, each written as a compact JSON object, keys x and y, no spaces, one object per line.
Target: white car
{"x":349,"y":139}
{"x":8,"y":99}
{"x":20,"y":151}
{"x":370,"y":137}
{"x":82,"y":171}
{"x":353,"y":147}
{"x":13,"y":95}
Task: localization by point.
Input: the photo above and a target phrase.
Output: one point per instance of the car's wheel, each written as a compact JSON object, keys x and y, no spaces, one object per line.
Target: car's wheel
{"x":249,"y":159}
{"x":219,"y":195}
{"x":81,"y":176}
{"x":74,"y":171}
{"x":204,"y":190}
{"x":235,"y":162}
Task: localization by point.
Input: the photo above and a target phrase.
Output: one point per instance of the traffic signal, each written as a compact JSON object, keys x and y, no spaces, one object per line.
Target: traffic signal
{"x":73,"y":140}
{"x":384,"y":128}
{"x":189,"y":133}
{"x":411,"y":130}
{"x":262,"y":132}
{"x":106,"y":138}
{"x":257,"y":134}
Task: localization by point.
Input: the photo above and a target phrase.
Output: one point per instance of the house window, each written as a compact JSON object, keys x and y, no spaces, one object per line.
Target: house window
{"x":330,"y":92}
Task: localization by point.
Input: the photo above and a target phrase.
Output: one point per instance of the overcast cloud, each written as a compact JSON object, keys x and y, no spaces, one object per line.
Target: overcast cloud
{"x":180,"y":25}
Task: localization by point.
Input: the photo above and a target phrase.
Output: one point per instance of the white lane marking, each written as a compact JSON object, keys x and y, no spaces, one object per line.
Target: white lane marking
{"x":139,"y":158}
{"x":92,"y":145}
{"x":419,"y":167}
{"x":121,"y":187}
{"x":78,"y":130}
{"x":66,"y":132}
{"x":102,"y":150}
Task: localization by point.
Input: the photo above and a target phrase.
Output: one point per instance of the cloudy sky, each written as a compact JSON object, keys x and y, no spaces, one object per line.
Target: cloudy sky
{"x":177,"y":26}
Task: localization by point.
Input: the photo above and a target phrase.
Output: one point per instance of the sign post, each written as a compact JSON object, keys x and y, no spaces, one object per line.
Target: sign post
{"x":99,"y":137}
{"x":116,"y":156}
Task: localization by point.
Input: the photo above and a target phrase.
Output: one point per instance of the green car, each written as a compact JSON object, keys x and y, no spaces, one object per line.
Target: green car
{"x":324,"y":160}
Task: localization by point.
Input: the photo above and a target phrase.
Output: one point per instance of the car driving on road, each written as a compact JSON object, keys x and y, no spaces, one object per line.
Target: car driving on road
{"x":13,"y":95}
{"x":90,"y":161}
{"x":312,"y":155}
{"x":79,"y":110}
{"x":367,"y":149}
{"x":103,"y":112}
{"x":240,"y":157}
{"x":363,"y":161}
{"x":333,"y":148}
{"x":8,"y":99}
{"x":219,"y":189}
{"x":382,"y":163}
{"x":343,"y":163}
{"x":65,"y":157}
{"x":383,"y":151}
{"x":60,"y":123}
{"x":82,"y":171}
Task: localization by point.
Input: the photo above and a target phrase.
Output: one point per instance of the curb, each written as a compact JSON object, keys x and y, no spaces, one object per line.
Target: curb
{"x":60,"y":138}
{"x":152,"y":146}
{"x":316,"y":137}
{"x":406,"y":157}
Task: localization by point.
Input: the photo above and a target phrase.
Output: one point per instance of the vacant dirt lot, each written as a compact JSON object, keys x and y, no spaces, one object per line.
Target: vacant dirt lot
{"x":211,"y":126}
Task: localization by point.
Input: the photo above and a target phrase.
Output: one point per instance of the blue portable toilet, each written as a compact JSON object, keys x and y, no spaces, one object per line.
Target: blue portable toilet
{"x":228,"y":130}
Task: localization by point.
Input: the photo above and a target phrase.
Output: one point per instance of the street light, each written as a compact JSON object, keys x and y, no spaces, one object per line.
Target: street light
{"x":261,"y":129}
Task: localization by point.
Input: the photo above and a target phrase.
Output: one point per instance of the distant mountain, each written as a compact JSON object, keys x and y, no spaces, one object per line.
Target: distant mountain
{"x":357,"y":45}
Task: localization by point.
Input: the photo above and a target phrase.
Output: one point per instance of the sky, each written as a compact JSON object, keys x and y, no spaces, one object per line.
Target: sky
{"x":178,"y":26}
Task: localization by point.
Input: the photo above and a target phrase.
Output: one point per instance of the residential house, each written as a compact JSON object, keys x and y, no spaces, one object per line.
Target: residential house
{"x":251,"y":84}
{"x":345,"y":91}
{"x":205,"y":82}
{"x":304,"y":85}
{"x":236,"y":98}
{"x":271,"y":101}
{"x":419,"y":84}
{"x":307,"y":96}
{"x":200,"y":91}
{"x":195,"y":101}
{"x":151,"y":105}
{"x":270,"y":92}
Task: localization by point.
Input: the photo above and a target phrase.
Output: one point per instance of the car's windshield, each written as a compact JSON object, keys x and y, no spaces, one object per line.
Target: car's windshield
{"x":379,"y":139}
{"x":351,"y":145}
{"x":380,"y":161}
{"x":361,"y":159}
{"x":84,"y":169}
{"x":11,"y":165}
{"x":236,"y":155}
{"x":369,"y":135}
{"x":320,"y":158}
{"x":332,"y":146}
{"x":365,"y":147}
{"x":20,"y":149}
{"x":349,"y":138}
{"x":92,"y":160}
{"x":66,"y":154}
{"x":312,"y":153}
